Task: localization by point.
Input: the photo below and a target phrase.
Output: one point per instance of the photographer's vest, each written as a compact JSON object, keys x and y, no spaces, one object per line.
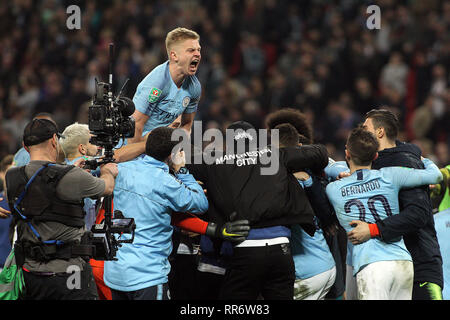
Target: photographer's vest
{"x":40,"y":201}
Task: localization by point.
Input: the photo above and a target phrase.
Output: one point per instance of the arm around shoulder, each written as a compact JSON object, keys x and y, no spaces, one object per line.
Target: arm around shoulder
{"x":313,"y":157}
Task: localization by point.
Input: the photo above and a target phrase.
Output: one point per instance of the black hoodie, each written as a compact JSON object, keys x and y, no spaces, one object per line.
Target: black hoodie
{"x":415,"y":221}
{"x":235,"y":182}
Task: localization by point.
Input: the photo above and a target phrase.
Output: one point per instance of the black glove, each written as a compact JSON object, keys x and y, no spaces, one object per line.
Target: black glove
{"x":234,"y":231}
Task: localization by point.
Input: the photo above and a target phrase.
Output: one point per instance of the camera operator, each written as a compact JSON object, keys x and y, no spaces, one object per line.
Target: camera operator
{"x":76,"y":145}
{"x":46,"y":200}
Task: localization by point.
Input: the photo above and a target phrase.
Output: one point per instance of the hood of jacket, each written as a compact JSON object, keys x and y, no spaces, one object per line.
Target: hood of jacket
{"x":403,"y":154}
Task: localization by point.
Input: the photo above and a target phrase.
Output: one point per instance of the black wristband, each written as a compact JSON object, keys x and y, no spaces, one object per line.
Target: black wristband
{"x":211,"y":230}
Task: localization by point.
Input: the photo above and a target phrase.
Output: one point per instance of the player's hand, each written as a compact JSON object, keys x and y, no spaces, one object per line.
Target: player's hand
{"x":234,"y":231}
{"x":343,"y":174}
{"x":202,"y":185}
{"x":178,"y":160}
{"x":80,"y":164}
{"x":301,"y":175}
{"x":3,"y":212}
{"x":361,"y":232}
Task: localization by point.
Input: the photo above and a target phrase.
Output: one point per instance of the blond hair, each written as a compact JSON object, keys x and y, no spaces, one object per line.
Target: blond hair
{"x":74,"y":135}
{"x":177,"y":35}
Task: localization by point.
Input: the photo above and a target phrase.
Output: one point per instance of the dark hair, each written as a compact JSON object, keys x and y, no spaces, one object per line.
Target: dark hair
{"x":385,"y":119}
{"x":293,"y":117}
{"x":43,"y":115}
{"x":244,"y":136}
{"x":6,"y":161}
{"x":363,"y":146}
{"x":39,"y":130}
{"x":288,"y":135}
{"x":159,"y":143}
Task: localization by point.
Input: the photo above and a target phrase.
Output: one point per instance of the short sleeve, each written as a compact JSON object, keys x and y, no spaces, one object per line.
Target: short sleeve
{"x":78,"y":184}
{"x":147,"y":96}
{"x":196,"y":93}
{"x":151,"y":90}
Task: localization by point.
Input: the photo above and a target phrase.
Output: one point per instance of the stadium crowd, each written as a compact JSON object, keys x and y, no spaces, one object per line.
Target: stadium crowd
{"x":258,"y":57}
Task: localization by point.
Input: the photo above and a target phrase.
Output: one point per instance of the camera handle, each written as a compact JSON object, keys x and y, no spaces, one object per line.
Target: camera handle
{"x":107,"y":224}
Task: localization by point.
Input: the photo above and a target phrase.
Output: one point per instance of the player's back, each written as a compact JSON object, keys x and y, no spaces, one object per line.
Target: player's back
{"x":370,"y":196}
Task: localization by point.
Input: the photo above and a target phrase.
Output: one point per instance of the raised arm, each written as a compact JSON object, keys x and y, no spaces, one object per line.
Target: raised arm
{"x":408,"y":178}
{"x":186,"y":121}
{"x":140,"y":120}
{"x":130,"y":151}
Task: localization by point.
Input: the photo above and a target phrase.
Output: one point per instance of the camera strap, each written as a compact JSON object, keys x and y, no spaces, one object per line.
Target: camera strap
{"x":19,"y":200}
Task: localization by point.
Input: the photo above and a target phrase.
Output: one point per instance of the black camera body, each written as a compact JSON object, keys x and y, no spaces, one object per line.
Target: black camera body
{"x":109,"y":121}
{"x":106,"y":246}
{"x":110,"y":117}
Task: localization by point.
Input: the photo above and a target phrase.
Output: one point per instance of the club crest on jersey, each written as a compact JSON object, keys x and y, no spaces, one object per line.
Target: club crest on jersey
{"x":155,"y":93}
{"x":186,"y":101}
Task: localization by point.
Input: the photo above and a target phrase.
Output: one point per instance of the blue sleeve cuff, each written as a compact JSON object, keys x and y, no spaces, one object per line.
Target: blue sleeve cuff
{"x":308,"y":182}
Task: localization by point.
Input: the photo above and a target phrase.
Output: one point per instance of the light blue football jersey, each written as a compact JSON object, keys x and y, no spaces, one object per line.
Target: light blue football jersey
{"x":371,"y":196}
{"x":158,"y":97}
{"x":311,"y":255}
{"x":442,"y":225}
{"x":21,"y":158}
{"x":333,"y":169}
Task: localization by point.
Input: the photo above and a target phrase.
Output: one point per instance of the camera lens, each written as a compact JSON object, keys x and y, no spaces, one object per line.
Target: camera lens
{"x":126,"y":106}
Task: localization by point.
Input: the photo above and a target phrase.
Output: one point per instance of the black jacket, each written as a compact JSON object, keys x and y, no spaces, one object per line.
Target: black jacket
{"x":264,"y":200}
{"x":415,"y":221}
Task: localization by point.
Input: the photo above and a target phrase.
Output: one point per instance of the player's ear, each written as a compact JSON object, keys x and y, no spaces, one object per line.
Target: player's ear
{"x":347,"y":155}
{"x":81,"y":149}
{"x":380,"y":132}
{"x":173,"y":55}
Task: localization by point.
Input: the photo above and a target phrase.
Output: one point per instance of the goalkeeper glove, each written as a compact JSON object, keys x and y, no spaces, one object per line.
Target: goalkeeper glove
{"x":234,"y":231}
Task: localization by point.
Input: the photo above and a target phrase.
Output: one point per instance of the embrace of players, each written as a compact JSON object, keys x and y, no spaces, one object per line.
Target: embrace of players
{"x":315,"y":229}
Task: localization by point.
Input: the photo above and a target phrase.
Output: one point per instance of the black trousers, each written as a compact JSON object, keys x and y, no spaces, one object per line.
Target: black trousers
{"x":182,"y":277}
{"x":208,"y":285}
{"x":254,"y":272}
{"x":61,"y":286}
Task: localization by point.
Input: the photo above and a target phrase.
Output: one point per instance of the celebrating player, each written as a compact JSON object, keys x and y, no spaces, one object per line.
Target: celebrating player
{"x":171,"y":89}
{"x":383,"y":270}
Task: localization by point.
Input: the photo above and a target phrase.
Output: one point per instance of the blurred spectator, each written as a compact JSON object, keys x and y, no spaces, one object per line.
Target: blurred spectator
{"x":5,"y":240}
{"x":257,"y":57}
{"x":423,"y":118}
{"x":393,"y":75}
